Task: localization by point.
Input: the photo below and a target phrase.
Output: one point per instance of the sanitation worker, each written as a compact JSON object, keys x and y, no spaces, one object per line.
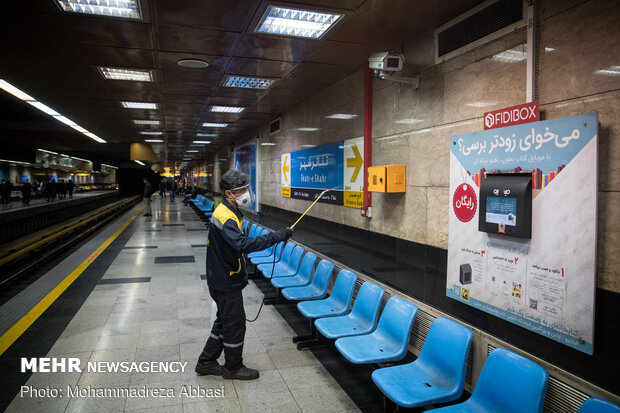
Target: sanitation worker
{"x":227,"y":245}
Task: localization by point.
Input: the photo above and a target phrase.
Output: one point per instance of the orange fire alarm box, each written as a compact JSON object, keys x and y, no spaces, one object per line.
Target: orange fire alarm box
{"x":387,"y":178}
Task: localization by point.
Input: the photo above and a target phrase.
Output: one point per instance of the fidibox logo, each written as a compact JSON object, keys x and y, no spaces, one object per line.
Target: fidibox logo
{"x":513,"y":115}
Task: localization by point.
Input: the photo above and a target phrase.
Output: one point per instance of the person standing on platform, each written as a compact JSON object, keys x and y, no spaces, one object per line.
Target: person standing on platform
{"x":70,"y":187}
{"x":61,"y":189}
{"x":174,"y":187}
{"x":26,"y":191}
{"x":51,"y":190}
{"x":162,"y":189}
{"x":148,"y":191}
{"x":3,"y":192}
{"x":227,"y":245}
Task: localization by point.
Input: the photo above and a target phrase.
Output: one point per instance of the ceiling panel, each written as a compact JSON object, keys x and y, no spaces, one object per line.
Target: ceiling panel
{"x":117,"y":56}
{"x":192,"y":40}
{"x":258,"y":67}
{"x":107,"y":32}
{"x":274,"y":48}
{"x":228,"y":15}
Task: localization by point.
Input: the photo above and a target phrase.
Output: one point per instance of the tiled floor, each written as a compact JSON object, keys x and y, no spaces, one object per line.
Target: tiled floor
{"x":169,"y":319}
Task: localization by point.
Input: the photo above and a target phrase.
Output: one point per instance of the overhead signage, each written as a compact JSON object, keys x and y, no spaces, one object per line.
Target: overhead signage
{"x":514,"y":115}
{"x":354,"y":172}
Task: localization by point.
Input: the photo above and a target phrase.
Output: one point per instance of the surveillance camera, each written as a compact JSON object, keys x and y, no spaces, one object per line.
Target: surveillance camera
{"x":386,"y":61}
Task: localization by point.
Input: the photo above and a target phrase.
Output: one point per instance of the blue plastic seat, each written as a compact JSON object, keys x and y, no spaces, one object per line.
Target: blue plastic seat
{"x":266,"y":264}
{"x":361,"y":320}
{"x":338,"y":302}
{"x":262,"y":253}
{"x":261,"y":257}
{"x":437,"y":375}
{"x":252,"y":230}
{"x":508,"y":383}
{"x":198,"y":199}
{"x":317,"y":288}
{"x":388,"y":342}
{"x":303,"y":275}
{"x":286,"y":268}
{"x":598,"y":405}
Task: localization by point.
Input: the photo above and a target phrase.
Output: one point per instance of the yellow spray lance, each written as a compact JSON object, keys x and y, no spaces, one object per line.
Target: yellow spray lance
{"x":311,"y":205}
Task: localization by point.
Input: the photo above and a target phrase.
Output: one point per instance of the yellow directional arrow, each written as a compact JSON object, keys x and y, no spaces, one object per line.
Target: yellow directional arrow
{"x":357,"y":162}
{"x":285,"y":168}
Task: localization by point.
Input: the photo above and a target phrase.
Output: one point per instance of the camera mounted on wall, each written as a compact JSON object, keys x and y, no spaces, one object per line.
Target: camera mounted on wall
{"x":385,"y":63}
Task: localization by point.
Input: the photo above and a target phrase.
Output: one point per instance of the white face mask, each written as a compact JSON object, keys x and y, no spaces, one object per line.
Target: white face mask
{"x":244,"y":200}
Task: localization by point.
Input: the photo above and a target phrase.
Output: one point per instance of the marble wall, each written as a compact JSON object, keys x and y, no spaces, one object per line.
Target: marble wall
{"x":579,"y":73}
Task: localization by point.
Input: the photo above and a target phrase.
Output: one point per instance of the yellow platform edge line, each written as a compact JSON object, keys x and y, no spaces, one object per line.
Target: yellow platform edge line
{"x":26,"y":321}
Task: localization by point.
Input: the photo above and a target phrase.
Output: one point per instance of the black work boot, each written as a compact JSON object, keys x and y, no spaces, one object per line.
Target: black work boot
{"x":242,"y":373}
{"x":208,"y":368}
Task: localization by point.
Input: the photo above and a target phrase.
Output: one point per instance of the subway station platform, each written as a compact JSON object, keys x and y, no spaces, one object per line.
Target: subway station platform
{"x":144,"y":298}
{"x":16,"y":204}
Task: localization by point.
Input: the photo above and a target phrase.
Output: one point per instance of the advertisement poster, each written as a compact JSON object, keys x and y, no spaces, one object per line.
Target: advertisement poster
{"x":246,"y":162}
{"x":547,"y":283}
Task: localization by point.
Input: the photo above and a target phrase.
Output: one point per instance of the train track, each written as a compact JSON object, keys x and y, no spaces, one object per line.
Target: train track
{"x":26,"y":257}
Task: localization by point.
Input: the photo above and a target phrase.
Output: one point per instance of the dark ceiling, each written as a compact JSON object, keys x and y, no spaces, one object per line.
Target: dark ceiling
{"x":53,"y":56}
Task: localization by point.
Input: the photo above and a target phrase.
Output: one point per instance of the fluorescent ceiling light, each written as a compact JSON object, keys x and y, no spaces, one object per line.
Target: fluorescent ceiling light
{"x":114,"y":73}
{"x":154,"y":140}
{"x":206,"y":135}
{"x":268,"y":144}
{"x":139,"y":162}
{"x":146,"y":122}
{"x":611,"y":71}
{"x":46,"y":151}
{"x":192,"y":151}
{"x":128,"y":9}
{"x":227,"y":109}
{"x":308,"y":129}
{"x":345,"y":116}
{"x":14,"y":91}
{"x":46,"y":109}
{"x":248,"y":82}
{"x":139,"y":105}
{"x":204,"y":142}
{"x":214,"y":125}
{"x":308,"y":146}
{"x":43,"y":108}
{"x":15,"y":162}
{"x":95,"y":137}
{"x":294,"y":22}
{"x":146,"y":132}
{"x":109,"y":166}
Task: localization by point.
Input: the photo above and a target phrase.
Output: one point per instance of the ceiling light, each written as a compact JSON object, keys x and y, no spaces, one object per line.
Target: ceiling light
{"x":146,"y":132}
{"x":14,"y":91}
{"x":206,"y":135}
{"x":128,"y":9}
{"x":214,"y":125}
{"x":227,"y":109}
{"x":95,"y":137}
{"x":154,"y":140}
{"x":308,"y":129}
{"x":139,"y":105}
{"x":308,"y":146}
{"x":43,"y":108}
{"x":112,"y":73}
{"x":46,"y":151}
{"x":293,"y":22}
{"x":192,"y":63}
{"x":139,"y":162}
{"x":46,"y":109}
{"x":109,"y":166}
{"x":409,"y":121}
{"x":611,"y":71}
{"x":146,"y":122}
{"x":248,"y":82}
{"x":345,"y":116}
{"x":192,"y":151}
{"x":268,"y":144}
{"x":204,"y":142}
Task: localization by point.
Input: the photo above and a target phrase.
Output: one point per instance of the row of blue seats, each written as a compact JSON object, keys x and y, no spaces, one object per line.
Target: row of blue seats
{"x":203,"y":205}
{"x":361,"y":336}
